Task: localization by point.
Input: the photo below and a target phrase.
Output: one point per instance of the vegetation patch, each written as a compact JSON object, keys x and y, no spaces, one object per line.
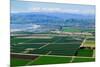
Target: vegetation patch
{"x":85,"y":52}
{"x":83,"y":59}
{"x":51,"y":60}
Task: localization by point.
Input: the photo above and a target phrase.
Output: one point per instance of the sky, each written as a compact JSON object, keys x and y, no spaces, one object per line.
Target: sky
{"x":90,"y":2}
{"x":26,"y":6}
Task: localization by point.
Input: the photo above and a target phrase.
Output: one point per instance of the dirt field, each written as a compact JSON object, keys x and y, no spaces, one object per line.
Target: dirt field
{"x":23,"y":56}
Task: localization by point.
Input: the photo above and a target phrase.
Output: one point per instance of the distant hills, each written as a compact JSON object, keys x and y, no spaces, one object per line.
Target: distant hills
{"x":48,"y":20}
{"x":51,"y":18}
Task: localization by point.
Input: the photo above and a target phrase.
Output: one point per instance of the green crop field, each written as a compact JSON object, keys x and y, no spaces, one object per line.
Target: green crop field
{"x":19,"y":62}
{"x":88,"y":30}
{"x":58,"y":49}
{"x":58,"y":45}
{"x":21,"y":47}
{"x":18,"y":40}
{"x":83,"y":59}
{"x":50,"y":60}
{"x":67,"y":29}
{"x":70,"y":29}
{"x":85,"y":52}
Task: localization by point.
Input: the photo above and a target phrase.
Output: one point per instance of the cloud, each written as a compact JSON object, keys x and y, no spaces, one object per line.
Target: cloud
{"x":55,"y":10}
{"x":51,"y":10}
{"x":34,"y":26}
{"x":38,"y":9}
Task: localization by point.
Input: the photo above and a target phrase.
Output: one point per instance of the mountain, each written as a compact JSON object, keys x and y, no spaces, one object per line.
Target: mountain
{"x":50,"y":18}
{"x":49,"y":21}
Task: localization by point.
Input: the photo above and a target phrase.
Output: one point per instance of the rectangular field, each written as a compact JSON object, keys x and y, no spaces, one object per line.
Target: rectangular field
{"x":67,"y":29}
{"x":90,"y":42}
{"x":85,"y":52}
{"x":50,"y":60}
{"x":59,"y":49}
{"x":58,"y":45}
{"x":19,"y":61}
{"x":78,"y":59}
{"x":41,"y":60}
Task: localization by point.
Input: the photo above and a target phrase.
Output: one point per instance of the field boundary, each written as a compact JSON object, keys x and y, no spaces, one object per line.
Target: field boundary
{"x":50,"y":55}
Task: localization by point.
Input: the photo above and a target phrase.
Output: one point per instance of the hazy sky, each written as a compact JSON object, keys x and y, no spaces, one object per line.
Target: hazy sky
{"x":21,"y":6}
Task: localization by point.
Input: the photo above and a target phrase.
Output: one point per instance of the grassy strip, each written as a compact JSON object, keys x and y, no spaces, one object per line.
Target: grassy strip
{"x":51,"y":60}
{"x":83,"y":59}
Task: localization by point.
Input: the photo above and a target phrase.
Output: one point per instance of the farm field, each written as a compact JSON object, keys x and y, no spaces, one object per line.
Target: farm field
{"x":42,"y":60}
{"x":55,"y":46}
{"x":70,"y":30}
{"x":58,"y":49}
{"x":50,"y":60}
{"x":90,"y":42}
{"x":83,"y":59}
{"x":19,"y":61}
{"x":85,"y":52}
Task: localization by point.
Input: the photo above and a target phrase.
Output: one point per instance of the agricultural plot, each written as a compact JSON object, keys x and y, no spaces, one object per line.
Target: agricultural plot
{"x":56,"y":46}
{"x":22,"y":47}
{"x":93,"y":53}
{"x":78,"y":59}
{"x":88,"y":30}
{"x":41,"y":60}
{"x":15,"y":40}
{"x":19,"y":62}
{"x":67,"y":29}
{"x":50,"y":60}
{"x":70,"y":29}
{"x":85,"y":52}
{"x":90,"y":42}
{"x":58,"y":49}
{"x":61,"y":49}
